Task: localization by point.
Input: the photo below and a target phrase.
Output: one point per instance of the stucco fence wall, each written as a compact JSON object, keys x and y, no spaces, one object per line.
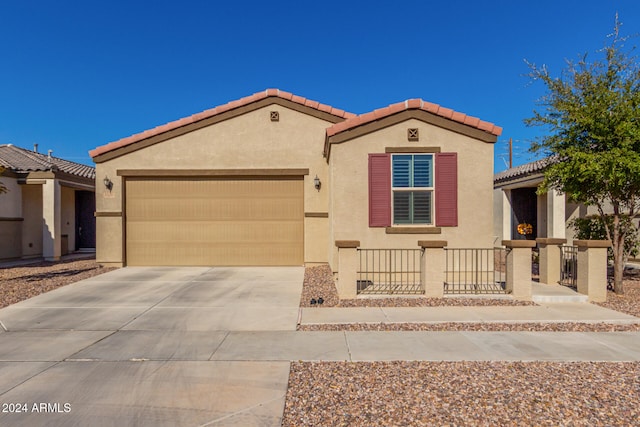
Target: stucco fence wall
{"x":592,"y":267}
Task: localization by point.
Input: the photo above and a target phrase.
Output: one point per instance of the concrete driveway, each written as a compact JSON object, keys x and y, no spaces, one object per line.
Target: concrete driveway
{"x":136,"y":347}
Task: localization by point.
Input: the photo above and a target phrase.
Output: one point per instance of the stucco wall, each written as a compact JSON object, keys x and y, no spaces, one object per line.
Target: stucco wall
{"x":11,"y":201}
{"x":11,"y":238}
{"x":10,"y":224}
{"x":541,"y":213}
{"x":498,"y":217}
{"x":250,"y":141}
{"x":349,"y":193}
{"x":32,"y":224}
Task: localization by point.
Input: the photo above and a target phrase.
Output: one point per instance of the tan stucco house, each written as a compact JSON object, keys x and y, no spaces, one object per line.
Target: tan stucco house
{"x":277,"y":179}
{"x":48,"y":210}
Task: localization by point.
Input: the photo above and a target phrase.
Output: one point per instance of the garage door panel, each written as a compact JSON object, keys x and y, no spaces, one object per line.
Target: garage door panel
{"x":214,"y":222}
{"x":215,"y":231}
{"x":198,"y":253}
{"x":204,"y":210}
{"x":202,"y":188}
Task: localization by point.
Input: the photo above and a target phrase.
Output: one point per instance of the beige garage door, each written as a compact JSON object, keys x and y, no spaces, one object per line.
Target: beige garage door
{"x":214,"y":221}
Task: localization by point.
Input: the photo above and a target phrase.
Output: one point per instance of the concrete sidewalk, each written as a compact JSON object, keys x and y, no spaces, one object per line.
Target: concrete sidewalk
{"x":544,"y":313}
{"x":429,"y":346}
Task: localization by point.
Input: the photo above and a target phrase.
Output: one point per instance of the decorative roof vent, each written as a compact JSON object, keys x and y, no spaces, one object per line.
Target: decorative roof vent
{"x":412,"y":134}
{"x":275,"y":116}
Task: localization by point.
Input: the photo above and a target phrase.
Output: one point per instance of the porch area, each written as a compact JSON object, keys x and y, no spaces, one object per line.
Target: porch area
{"x":567,"y":274}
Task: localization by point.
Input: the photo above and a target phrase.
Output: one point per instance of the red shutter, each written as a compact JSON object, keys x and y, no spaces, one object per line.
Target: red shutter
{"x":446,"y":189}
{"x":379,"y":190}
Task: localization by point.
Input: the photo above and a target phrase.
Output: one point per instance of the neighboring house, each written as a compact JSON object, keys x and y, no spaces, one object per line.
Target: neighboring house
{"x":277,"y":179}
{"x":49,"y":207}
{"x":516,"y":201}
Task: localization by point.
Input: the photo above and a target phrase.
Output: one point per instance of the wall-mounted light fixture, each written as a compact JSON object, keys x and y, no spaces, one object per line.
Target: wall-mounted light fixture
{"x":317,"y":183}
{"x":107,"y":183}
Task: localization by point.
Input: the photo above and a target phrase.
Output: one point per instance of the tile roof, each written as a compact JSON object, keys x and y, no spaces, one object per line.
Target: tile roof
{"x":218,"y":110}
{"x":21,"y":160}
{"x":530,"y":168}
{"x":414,"y":104}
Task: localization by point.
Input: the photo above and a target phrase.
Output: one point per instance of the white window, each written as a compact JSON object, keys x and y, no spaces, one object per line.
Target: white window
{"x":412,"y":188}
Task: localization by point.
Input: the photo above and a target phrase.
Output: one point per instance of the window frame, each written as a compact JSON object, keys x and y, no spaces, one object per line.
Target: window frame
{"x":430,"y":190}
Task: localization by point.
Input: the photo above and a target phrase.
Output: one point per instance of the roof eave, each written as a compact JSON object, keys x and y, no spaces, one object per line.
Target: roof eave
{"x":365,"y":126}
{"x":215,"y":115}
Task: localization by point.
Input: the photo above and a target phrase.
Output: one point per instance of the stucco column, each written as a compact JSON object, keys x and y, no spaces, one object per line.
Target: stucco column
{"x":556,"y":227}
{"x":347,"y":268}
{"x":592,"y":268}
{"x":52,"y":222}
{"x":506,"y":214}
{"x":519,"y":268}
{"x":432,"y":265}
{"x":550,"y":259}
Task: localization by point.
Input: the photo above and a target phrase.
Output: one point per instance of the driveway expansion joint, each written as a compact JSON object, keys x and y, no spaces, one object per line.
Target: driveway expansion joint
{"x":346,"y":342}
{"x":215,"y":350}
{"x":242,"y":411}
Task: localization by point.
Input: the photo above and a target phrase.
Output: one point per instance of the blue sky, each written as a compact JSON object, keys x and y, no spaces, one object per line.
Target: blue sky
{"x":75,"y":75}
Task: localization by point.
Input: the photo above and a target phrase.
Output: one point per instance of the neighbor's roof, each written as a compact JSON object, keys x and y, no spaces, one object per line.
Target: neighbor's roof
{"x":414,"y":104}
{"x":20,"y":160}
{"x":535,"y":167}
{"x":218,"y":110}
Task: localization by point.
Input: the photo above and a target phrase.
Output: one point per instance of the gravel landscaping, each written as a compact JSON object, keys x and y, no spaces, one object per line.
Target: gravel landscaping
{"x":629,"y":302}
{"x":24,"y":282}
{"x":318,"y":282}
{"x":484,"y":327}
{"x":463,"y":394}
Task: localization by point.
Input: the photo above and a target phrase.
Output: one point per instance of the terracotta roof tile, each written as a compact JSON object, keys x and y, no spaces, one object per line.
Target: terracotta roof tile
{"x":324,"y":108}
{"x":447,"y":113}
{"x":338,"y":112}
{"x":472,"y":121}
{"x":282,"y":94}
{"x":430,"y":107}
{"x":395,"y":108}
{"x":415,"y":104}
{"x":485,"y":126}
{"x":312,"y":104}
{"x":380,"y":112}
{"x":218,"y":110}
{"x":458,"y":117}
{"x":298,"y":99}
{"x":20,"y":160}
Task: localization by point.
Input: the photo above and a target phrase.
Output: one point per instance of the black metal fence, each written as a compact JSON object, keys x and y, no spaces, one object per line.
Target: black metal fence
{"x":475,"y":271}
{"x":389,"y":271}
{"x":569,"y":266}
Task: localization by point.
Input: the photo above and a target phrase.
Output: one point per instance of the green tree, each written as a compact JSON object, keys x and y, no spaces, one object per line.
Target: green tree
{"x":593,"y":227}
{"x":592,"y":114}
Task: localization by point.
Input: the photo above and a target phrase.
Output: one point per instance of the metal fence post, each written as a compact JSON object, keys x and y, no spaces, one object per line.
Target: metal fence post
{"x":347,"y":268}
{"x":432,"y":267}
{"x":592,"y":268}
{"x":550,"y":259}
{"x":519,"y":268}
